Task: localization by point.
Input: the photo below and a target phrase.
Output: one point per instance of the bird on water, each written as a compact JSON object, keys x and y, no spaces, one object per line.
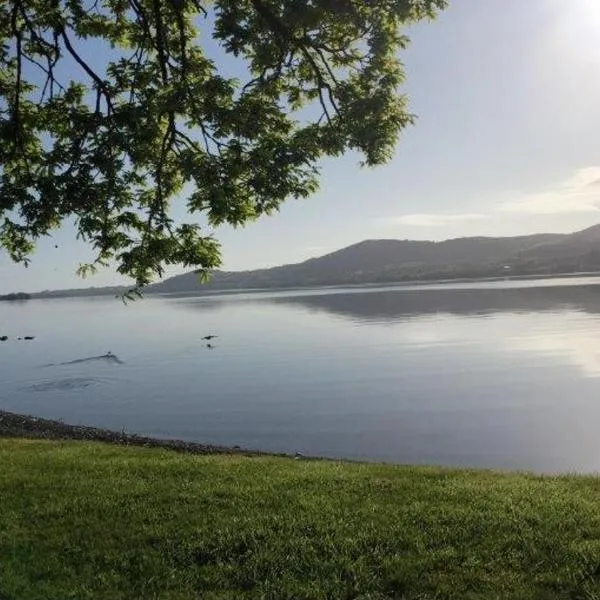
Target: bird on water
{"x":209,"y":337}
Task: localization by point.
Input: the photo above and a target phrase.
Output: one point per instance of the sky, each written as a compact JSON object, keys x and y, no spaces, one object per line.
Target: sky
{"x":507,"y":142}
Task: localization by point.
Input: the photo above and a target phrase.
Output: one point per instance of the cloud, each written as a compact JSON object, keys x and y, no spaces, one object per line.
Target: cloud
{"x":578,"y":194}
{"x":551,"y":204}
{"x":436,"y":220}
{"x":567,"y":203}
{"x":586,"y":177}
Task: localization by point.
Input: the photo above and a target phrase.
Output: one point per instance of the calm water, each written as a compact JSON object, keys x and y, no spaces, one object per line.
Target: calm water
{"x":490,"y":375}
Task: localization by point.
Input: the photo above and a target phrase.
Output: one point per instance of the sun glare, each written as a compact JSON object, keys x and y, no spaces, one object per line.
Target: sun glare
{"x":589,"y":12}
{"x":578,"y":26}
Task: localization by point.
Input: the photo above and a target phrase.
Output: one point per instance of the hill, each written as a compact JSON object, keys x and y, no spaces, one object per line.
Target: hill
{"x":390,"y":261}
{"x":387,"y":261}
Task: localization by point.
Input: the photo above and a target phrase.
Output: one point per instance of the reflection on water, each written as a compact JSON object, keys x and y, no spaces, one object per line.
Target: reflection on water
{"x":385,"y":306}
{"x":497,"y":376}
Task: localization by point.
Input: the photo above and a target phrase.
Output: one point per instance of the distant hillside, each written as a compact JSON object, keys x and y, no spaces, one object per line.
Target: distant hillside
{"x":387,"y":261}
{"x":83,"y":292}
{"x":16,"y":297}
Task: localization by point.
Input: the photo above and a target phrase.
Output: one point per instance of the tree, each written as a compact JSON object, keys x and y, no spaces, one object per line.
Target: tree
{"x":112,"y":110}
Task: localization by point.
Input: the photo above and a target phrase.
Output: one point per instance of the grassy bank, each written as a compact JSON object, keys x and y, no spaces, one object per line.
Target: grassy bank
{"x":92,"y":520}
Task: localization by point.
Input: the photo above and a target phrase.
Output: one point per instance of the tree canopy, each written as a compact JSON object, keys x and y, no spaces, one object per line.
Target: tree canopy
{"x":114,"y":111}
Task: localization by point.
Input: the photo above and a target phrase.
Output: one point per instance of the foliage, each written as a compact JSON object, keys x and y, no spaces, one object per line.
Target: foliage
{"x":87,"y":520}
{"x":149,"y":118}
{"x":14,"y":297}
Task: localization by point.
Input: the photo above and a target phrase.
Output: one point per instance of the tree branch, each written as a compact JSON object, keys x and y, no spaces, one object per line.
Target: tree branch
{"x":16,"y":110}
{"x":101,"y":87}
{"x":160,"y":42}
{"x":284,"y":33}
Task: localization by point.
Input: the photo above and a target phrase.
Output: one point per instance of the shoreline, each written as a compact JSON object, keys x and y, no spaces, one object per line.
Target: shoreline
{"x":226,"y":291}
{"x":15,"y":425}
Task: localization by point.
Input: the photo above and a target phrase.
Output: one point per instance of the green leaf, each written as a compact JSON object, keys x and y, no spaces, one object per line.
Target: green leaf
{"x":149,"y":121}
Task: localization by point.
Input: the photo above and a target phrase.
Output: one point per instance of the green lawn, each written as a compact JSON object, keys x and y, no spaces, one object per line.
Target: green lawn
{"x":89,"y":520}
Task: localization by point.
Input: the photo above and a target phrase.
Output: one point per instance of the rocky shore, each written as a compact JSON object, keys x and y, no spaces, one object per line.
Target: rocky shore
{"x":17,"y":425}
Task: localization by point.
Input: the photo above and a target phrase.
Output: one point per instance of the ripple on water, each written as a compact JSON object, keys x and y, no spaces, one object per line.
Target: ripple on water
{"x":108,"y":358}
{"x":71,"y":383}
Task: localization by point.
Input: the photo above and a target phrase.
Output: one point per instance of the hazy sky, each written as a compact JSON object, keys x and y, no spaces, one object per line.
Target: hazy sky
{"x":507,"y":142}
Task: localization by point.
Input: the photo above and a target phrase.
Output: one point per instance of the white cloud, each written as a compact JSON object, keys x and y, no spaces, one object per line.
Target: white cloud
{"x":586,"y":177}
{"x":565,"y":206}
{"x":436,"y":220}
{"x":578,"y":194}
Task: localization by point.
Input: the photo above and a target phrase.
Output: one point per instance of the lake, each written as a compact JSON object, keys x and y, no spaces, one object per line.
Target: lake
{"x":502,"y":375}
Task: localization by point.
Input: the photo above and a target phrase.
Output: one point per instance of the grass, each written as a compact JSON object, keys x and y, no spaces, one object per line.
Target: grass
{"x":90,"y":520}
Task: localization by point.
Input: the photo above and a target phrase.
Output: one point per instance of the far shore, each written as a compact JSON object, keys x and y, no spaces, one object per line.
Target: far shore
{"x":119,"y":291}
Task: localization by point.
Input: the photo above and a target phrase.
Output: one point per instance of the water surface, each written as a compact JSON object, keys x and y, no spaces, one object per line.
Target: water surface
{"x":499,"y":375}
